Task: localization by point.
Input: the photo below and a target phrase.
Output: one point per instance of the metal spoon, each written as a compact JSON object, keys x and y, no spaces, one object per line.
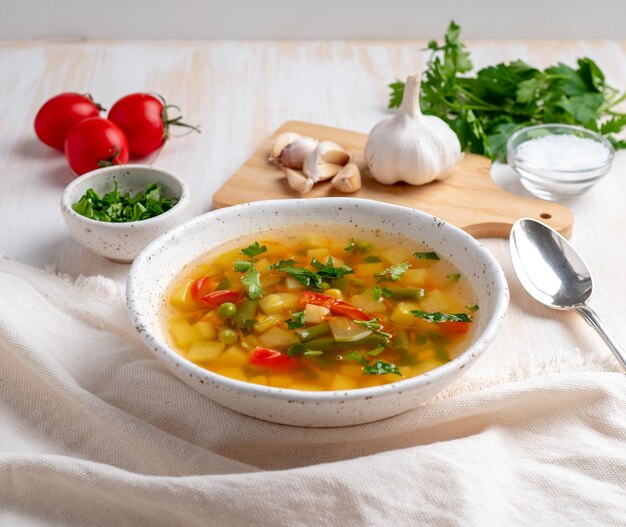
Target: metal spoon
{"x":553,"y":273}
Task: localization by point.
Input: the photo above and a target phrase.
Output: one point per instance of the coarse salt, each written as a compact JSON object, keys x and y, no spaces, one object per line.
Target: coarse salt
{"x":563,"y":152}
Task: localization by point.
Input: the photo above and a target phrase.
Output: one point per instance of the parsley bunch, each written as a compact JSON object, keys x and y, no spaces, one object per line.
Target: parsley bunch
{"x":485,"y":109}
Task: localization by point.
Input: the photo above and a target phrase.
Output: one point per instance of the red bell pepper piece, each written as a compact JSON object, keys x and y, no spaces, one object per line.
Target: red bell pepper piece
{"x":336,"y":305}
{"x":217,"y":298}
{"x":454,"y":328}
{"x":268,"y":358}
{"x":202,"y":287}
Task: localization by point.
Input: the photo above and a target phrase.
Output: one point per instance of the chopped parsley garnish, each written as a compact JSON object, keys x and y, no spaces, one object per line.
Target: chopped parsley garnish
{"x":117,"y":207}
{"x":329,"y":271}
{"x":454,"y":277}
{"x":241,"y":266}
{"x":429,"y":255}
{"x":377,"y":293}
{"x":253,"y":250}
{"x":380,"y":367}
{"x":301,"y":274}
{"x":473,"y":308}
{"x":355,"y":356}
{"x":283,"y":263}
{"x":438,"y":317}
{"x":252,"y":282}
{"x":393,"y":273}
{"x":350,"y":248}
{"x":374,"y":326}
{"x":296,"y":321}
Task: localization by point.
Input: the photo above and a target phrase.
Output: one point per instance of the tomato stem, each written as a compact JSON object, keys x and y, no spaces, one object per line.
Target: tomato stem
{"x":176,"y":121}
{"x":97,"y":104}
{"x":110,"y":161}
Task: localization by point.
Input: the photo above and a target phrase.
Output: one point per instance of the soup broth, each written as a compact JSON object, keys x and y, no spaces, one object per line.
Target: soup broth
{"x":320,"y":311}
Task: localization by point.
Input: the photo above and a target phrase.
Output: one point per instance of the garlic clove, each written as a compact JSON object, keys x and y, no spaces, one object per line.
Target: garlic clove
{"x":294,"y":154}
{"x":325,"y":161}
{"x":283,"y":140}
{"x":348,"y":179}
{"x":297,"y":181}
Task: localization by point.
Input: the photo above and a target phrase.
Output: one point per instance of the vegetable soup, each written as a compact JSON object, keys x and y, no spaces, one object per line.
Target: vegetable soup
{"x":320,"y":311}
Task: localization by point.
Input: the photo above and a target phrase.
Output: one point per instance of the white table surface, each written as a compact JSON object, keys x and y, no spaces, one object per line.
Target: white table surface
{"x":240,"y":92}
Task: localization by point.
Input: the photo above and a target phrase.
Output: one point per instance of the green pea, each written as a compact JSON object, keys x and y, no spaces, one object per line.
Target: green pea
{"x":325,"y":286}
{"x":227,"y":336}
{"x":227,"y":310}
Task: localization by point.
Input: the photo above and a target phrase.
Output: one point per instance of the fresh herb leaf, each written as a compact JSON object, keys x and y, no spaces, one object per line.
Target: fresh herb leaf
{"x":454,"y":277}
{"x":393,"y":273}
{"x":329,"y":271}
{"x":377,"y":294}
{"x":380,"y":367}
{"x":354,"y":356}
{"x":374,"y":326}
{"x":241,"y":266}
{"x":282,"y":263}
{"x":438,"y":317}
{"x":296,"y":321}
{"x":473,"y":308}
{"x":387,"y":293}
{"x":252,"y":282}
{"x":117,"y":207}
{"x":486,"y":108}
{"x":376,"y":351}
{"x":351,"y":247}
{"x":371,"y":259}
{"x":253,"y":250}
{"x":428,"y":255}
{"x":302,"y":275}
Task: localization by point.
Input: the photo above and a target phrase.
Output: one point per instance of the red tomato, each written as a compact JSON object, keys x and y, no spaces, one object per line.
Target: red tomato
{"x":55,"y":118}
{"x":202,"y":287}
{"x":268,"y":358}
{"x":217,"y":298}
{"x":454,"y":328}
{"x":94,"y":143}
{"x":336,"y":305}
{"x":348,"y":310}
{"x":317,"y":299}
{"x":143,"y":118}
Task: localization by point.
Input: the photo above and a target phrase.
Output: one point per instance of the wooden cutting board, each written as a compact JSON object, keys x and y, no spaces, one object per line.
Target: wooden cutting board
{"x":468,"y":198}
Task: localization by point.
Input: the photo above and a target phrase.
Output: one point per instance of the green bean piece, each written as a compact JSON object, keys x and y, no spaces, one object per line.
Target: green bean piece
{"x":306,"y":334}
{"x":227,"y":336}
{"x":405,"y":293}
{"x":244,"y":318}
{"x":227,"y":310}
{"x":329,"y":344}
{"x":400,"y":342}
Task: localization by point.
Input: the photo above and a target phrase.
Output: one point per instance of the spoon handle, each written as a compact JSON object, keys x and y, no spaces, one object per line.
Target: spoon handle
{"x":592,"y":319}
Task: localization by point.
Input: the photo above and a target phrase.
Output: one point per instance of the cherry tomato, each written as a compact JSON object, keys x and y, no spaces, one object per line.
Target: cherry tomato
{"x":55,"y":118}
{"x":144,"y":119}
{"x":217,"y":298}
{"x":268,"y":358}
{"x":94,"y":143}
{"x":202,"y":287}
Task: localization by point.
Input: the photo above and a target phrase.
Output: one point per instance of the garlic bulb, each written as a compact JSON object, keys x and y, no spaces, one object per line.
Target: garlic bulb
{"x":290,"y":149}
{"x":411,"y":147}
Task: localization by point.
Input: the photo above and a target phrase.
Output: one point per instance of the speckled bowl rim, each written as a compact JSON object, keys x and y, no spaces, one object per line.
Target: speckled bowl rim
{"x":66,"y":197}
{"x":449,"y":369}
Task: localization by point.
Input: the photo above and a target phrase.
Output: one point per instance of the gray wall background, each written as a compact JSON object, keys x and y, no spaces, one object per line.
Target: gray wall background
{"x":314,"y":19}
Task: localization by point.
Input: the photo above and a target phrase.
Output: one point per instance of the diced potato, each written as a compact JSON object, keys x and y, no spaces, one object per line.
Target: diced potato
{"x":259,"y":379}
{"x":315,"y":314}
{"x":315,"y":241}
{"x":183,"y":333}
{"x":369,"y":269}
{"x":249,"y":342}
{"x":271,"y":304}
{"x":334,"y":292}
{"x":365,"y":302}
{"x":319,"y":254}
{"x":268,"y":280}
{"x":436,"y":300}
{"x":416,"y":277}
{"x":290,"y":301}
{"x":395,"y":255}
{"x":276,"y":338}
{"x":280,"y":381}
{"x":205,"y":330}
{"x":425,"y":354}
{"x":205,"y":350}
{"x":402,"y":315}
{"x":225,"y":260}
{"x":343,"y":382}
{"x":350,"y":370}
{"x":292,"y":284}
{"x":203,"y":270}
{"x":266,"y":323}
{"x":234,"y":373}
{"x":233,"y":356}
{"x":181,"y":296}
{"x":262,"y":266}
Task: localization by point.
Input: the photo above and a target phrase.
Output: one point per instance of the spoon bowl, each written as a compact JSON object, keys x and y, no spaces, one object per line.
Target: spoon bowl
{"x":553,"y":273}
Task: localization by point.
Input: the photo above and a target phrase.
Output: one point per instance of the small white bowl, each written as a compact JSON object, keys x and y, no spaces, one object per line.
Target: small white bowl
{"x":122,"y":242}
{"x":167,"y":256}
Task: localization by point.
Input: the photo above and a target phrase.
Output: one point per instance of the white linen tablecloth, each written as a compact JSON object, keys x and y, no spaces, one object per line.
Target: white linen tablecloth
{"x":95,"y":431}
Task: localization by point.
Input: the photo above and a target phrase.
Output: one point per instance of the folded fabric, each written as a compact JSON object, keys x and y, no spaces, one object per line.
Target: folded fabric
{"x":95,"y":431}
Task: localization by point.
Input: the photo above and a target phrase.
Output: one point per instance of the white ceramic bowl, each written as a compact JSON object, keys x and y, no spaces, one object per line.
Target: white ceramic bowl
{"x":168,"y":255}
{"x":122,"y":242}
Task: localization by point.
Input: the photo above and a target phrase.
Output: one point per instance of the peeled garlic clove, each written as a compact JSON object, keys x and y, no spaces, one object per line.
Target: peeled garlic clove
{"x":348,"y":179}
{"x":294,"y":154}
{"x":298,"y":181}
{"x":325,"y":161}
{"x":283,"y":140}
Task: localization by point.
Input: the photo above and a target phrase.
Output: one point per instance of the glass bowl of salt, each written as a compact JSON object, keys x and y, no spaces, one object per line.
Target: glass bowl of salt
{"x":559,"y":161}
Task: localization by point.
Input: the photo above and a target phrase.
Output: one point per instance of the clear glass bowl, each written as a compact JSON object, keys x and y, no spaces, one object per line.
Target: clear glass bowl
{"x":563,"y":177}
